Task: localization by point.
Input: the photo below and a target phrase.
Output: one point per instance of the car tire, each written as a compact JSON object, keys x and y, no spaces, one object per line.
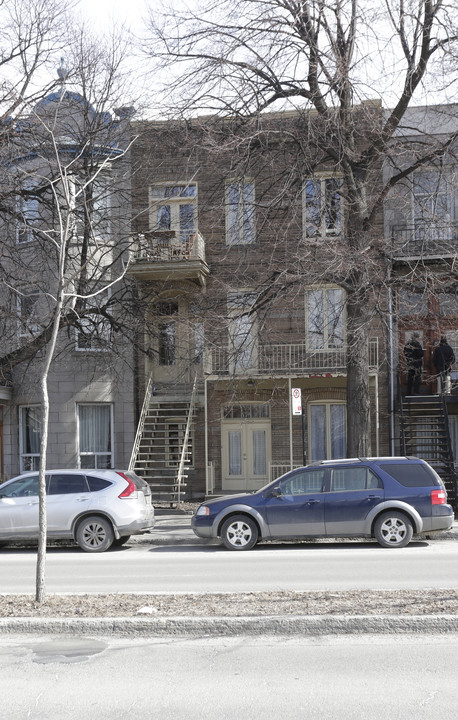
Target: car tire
{"x":94,"y":534}
{"x":117,"y":542}
{"x":239,"y":532}
{"x":393,"y":530}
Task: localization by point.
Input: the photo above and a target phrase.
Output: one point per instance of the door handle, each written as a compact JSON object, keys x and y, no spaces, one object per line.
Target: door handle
{"x":82,"y":499}
{"x":312,"y":502}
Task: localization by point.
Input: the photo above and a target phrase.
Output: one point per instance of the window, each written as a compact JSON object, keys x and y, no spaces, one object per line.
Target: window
{"x":327,"y":431}
{"x":251,"y":411}
{"x":301,"y":483}
{"x":95,"y":430}
{"x":448,"y":303}
{"x":325,"y":318}
{"x":29,"y":437}
{"x":174,"y":210}
{"x":356,"y":478}
{"x":92,"y":206}
{"x":25,"y":487}
{"x":167,"y":314}
{"x":413,"y":475}
{"x":94,"y":332}
{"x":28,"y":210}
{"x":432,"y":206}
{"x":28,"y":313}
{"x":64,"y":484}
{"x":322,"y":206}
{"x":240,"y":217}
{"x":242,"y":330}
{"x":412,"y":303}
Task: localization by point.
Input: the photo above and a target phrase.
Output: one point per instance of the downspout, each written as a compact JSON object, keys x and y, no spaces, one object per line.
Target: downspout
{"x":391,"y":353}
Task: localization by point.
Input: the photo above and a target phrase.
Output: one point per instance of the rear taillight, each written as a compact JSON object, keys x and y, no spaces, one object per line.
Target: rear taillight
{"x":438,"y":497}
{"x":131,"y":490}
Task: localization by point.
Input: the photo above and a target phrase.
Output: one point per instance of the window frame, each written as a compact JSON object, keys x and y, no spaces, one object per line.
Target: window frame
{"x":175,"y":203}
{"x":34,"y":457}
{"x":326,"y":323}
{"x":243,"y":339}
{"x":328,"y":437}
{"x":28,"y":217}
{"x":241,"y":222}
{"x":96,"y":453}
{"x":322,"y":229}
{"x":103,"y":341}
{"x":26,"y":325}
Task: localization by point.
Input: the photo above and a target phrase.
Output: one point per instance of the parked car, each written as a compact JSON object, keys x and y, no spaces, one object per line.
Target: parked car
{"x":388,"y":498}
{"x":97,"y":508}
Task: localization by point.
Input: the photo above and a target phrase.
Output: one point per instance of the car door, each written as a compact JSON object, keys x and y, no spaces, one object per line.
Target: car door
{"x":353,"y":492}
{"x":297,"y":508}
{"x":68,"y":495}
{"x":19,"y":507}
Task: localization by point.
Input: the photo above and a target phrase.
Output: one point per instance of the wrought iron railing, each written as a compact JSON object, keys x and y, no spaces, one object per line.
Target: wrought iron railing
{"x":169,"y":246}
{"x":425,"y":240}
{"x":283,"y":358}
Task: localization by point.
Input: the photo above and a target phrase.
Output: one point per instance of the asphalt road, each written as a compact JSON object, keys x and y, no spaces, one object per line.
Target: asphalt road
{"x":348,"y":678}
{"x":194,"y":568}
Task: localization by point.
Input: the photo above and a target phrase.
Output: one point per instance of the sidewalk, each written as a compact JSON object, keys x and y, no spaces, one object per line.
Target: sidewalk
{"x":173,"y":527}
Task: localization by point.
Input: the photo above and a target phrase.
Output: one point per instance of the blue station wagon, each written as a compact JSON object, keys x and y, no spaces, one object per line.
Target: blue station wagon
{"x":389,"y":499}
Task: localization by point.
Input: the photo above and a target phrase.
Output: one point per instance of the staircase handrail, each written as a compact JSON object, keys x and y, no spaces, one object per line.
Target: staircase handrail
{"x":141,"y":421}
{"x":180,"y":474}
{"x":447,"y":432}
{"x":402,"y":416}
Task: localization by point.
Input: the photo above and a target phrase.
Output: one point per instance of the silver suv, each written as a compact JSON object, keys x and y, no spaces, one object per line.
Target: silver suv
{"x":97,"y":508}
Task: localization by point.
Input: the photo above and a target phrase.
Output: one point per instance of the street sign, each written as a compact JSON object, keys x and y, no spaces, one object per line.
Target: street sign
{"x":296,"y":401}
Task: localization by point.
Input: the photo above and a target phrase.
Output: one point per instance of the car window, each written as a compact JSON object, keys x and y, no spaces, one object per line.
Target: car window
{"x":66,"y":484}
{"x":25,"y":487}
{"x":353,"y":478}
{"x":97,"y":483}
{"x":307,"y":481}
{"x":411,"y":474}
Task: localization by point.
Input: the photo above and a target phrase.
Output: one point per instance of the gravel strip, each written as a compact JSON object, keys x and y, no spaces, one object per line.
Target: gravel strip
{"x":256,"y":604}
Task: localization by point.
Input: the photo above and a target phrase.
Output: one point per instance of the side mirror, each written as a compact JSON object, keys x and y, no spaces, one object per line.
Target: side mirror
{"x":276,"y":491}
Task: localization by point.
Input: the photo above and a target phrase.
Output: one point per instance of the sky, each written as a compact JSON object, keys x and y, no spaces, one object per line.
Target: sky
{"x":123,"y":11}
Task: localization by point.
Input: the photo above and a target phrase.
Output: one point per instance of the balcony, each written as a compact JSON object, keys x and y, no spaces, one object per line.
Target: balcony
{"x":284,"y":359}
{"x":167,"y":254}
{"x":432,"y":241}
{"x":6,"y":387}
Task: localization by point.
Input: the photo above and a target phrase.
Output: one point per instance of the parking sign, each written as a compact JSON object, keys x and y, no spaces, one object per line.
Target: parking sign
{"x":296,"y":401}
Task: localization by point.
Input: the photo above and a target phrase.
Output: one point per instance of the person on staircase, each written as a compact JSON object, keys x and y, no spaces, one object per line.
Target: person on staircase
{"x":443,"y":359}
{"x":413,"y":353}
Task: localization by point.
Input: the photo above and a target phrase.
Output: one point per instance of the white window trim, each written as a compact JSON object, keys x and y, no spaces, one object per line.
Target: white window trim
{"x":327,"y":403}
{"x":175,"y":203}
{"x":23,"y":454}
{"x":33,"y":326}
{"x":24,"y":231}
{"x":326,"y":347}
{"x":112,"y":429}
{"x":238,"y":352}
{"x":321,"y":177}
{"x":241,"y":182}
{"x":107,"y":341}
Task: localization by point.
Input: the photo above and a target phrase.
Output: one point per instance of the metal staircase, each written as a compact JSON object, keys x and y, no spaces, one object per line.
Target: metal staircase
{"x":425,"y":433}
{"x":162,"y":450}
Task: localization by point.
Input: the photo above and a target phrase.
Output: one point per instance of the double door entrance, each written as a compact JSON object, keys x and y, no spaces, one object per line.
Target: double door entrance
{"x":245,"y":455}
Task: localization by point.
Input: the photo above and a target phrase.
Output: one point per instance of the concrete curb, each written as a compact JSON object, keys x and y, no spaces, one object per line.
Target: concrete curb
{"x":228,"y":626}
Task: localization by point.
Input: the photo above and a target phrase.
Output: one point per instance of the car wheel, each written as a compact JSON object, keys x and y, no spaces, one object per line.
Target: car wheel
{"x":117,"y":542}
{"x":239,"y":532}
{"x":94,"y":534}
{"x":393,"y":530}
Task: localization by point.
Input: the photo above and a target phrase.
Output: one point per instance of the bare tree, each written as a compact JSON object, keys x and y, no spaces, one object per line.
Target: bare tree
{"x":65,"y":207}
{"x":326,"y":61}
